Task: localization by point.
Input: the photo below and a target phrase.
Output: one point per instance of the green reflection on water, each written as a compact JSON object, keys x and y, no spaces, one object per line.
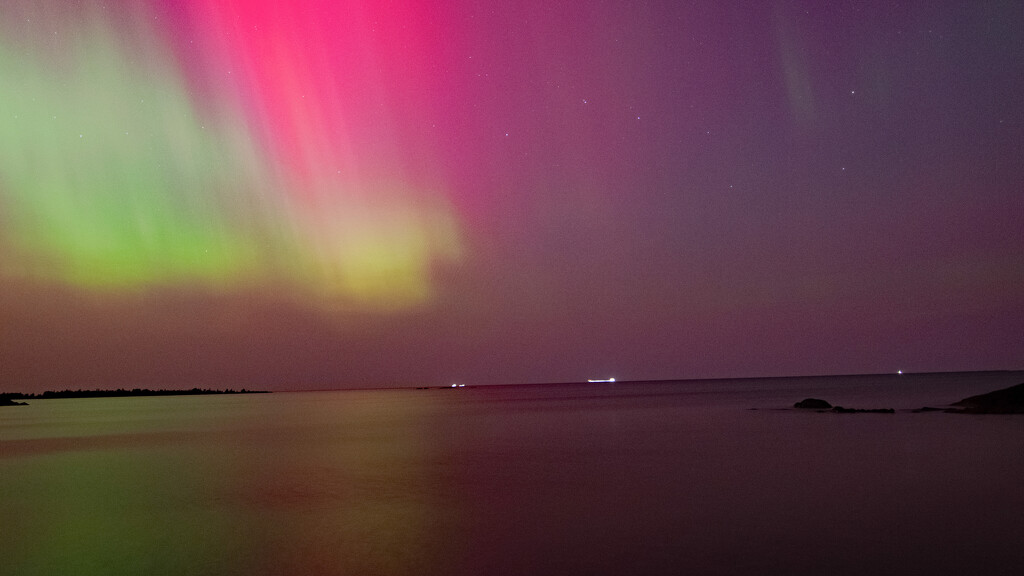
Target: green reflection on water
{"x":109,"y":512}
{"x":321,"y":485}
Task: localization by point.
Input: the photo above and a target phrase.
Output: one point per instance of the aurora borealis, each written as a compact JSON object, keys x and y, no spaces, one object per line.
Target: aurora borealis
{"x":137,"y":157}
{"x":358,"y":193}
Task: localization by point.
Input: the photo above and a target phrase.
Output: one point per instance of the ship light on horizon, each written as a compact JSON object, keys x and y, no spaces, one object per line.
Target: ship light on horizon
{"x":601,"y":380}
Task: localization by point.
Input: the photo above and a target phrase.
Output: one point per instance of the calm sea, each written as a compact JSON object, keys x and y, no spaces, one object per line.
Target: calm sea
{"x":706,"y":477}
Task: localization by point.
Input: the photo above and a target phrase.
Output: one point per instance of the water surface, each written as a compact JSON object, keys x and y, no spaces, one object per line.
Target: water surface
{"x":654,"y":478}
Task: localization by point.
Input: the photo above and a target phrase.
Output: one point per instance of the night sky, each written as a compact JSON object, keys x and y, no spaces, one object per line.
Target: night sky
{"x":321,"y":193}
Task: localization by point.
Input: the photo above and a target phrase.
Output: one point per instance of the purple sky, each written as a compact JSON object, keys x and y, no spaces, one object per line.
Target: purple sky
{"x":645,"y":191}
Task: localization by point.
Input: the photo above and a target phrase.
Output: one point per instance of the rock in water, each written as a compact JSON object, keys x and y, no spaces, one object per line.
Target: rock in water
{"x":1006,"y":401}
{"x":841,"y":410}
{"x":813,"y":404}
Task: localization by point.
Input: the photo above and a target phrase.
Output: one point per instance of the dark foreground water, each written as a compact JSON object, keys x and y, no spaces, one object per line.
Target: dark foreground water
{"x":666,"y":478}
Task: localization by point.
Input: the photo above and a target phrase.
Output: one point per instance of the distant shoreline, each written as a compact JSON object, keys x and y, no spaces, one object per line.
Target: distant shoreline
{"x":120,"y":393}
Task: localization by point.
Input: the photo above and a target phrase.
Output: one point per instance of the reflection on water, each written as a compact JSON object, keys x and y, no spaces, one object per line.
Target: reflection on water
{"x":291,"y":483}
{"x":604,"y":479}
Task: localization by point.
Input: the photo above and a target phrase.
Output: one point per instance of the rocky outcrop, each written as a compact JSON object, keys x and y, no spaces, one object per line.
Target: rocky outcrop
{"x":1006,"y":401}
{"x":823,"y":406}
{"x":841,"y":410}
{"x":812,"y":404}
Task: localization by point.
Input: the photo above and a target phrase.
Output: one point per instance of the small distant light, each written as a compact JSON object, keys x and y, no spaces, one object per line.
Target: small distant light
{"x":462,"y":385}
{"x":899,"y":371}
{"x":454,"y":385}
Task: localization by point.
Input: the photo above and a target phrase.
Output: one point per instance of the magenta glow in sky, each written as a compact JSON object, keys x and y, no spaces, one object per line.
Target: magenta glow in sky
{"x":318,"y":194}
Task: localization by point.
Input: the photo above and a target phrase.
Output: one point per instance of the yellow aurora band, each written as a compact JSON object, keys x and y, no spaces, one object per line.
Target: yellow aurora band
{"x":120,"y":172}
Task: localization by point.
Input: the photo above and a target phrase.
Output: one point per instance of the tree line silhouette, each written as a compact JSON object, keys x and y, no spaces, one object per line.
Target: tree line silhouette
{"x":98,"y":393}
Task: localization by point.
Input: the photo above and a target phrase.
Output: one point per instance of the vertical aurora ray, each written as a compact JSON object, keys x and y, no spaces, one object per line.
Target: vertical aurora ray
{"x":219,"y":144}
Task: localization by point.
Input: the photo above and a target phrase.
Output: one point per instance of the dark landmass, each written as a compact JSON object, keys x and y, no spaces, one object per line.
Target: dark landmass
{"x":120,"y":392}
{"x":812,"y":404}
{"x":841,"y":410}
{"x":1006,"y":401}
{"x":820,"y":405}
{"x":6,"y":400}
